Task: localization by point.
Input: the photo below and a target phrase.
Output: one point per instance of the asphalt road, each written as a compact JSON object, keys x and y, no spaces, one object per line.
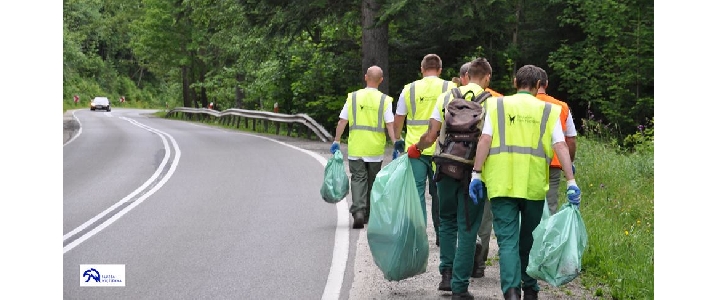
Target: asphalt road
{"x":195,"y":212}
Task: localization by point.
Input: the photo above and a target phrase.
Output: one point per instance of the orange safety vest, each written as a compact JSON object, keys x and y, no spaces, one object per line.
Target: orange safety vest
{"x":564,"y":117}
{"x":493,"y":93}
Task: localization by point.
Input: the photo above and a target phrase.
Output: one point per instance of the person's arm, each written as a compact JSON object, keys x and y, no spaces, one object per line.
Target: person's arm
{"x":429,"y":137}
{"x":560,"y":149}
{"x":571,"y":144}
{"x":400,"y":115}
{"x":482,"y":151}
{"x":571,"y":136}
{"x":340,"y":129}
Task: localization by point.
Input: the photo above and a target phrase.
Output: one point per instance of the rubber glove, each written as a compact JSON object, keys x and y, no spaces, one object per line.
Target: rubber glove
{"x":394,"y":154}
{"x":399,"y":145}
{"x":335,"y":147}
{"x":413,"y":151}
{"x":476,"y":187}
{"x":573,"y":193}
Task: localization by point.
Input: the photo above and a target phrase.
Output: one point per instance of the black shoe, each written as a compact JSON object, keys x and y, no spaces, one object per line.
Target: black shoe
{"x":445,"y":284}
{"x":462,"y":296}
{"x":477,"y":271}
{"x":437,"y":242}
{"x":513,"y":294}
{"x":530,"y":294}
{"x":358,"y":220}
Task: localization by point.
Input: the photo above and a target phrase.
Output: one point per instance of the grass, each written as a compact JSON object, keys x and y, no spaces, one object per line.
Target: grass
{"x":617,"y":207}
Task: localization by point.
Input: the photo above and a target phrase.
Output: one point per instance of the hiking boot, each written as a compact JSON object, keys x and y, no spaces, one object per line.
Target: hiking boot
{"x":358,"y":220}
{"x":437,"y":242}
{"x":445,"y":284}
{"x":513,"y":294}
{"x":462,"y":296}
{"x":530,"y":294}
{"x":478,"y":271}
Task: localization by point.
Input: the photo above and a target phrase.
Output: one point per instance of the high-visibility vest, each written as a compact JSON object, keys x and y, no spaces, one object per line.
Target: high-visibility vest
{"x":366,"y":122}
{"x":420,"y":97}
{"x":564,"y":118}
{"x":521,"y":149}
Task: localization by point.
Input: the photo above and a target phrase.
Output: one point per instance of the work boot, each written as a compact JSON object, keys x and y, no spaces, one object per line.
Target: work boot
{"x":437,"y":241}
{"x":462,"y":296}
{"x":530,"y":294}
{"x":445,"y":284}
{"x":478,"y":272}
{"x":358,"y":220}
{"x":513,"y":294}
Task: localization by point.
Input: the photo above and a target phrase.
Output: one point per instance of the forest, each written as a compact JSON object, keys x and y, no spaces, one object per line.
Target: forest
{"x":307,"y":55}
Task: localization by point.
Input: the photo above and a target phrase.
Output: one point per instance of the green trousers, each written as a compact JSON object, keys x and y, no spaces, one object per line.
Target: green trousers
{"x":514,"y":221}
{"x":421,"y":167}
{"x":458,"y":256}
{"x":363,"y":175}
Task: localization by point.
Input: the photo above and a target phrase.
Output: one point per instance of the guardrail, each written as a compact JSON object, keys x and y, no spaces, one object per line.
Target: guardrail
{"x":233,"y":117}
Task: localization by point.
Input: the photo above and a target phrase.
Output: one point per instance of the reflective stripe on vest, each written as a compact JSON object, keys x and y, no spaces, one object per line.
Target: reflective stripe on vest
{"x":379,"y":127}
{"x":412,"y":99}
{"x":503,"y":148}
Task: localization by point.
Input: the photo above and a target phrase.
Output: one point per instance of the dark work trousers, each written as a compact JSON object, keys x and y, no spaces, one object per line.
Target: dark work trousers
{"x":421,"y":167}
{"x":363,"y":175}
{"x":458,"y":256}
{"x":514,"y":236}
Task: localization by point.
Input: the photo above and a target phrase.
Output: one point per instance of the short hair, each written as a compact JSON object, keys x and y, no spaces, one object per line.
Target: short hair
{"x":479,"y":68}
{"x":544,"y":77}
{"x":527,"y":77}
{"x":431,"y":62}
{"x":464,"y":69}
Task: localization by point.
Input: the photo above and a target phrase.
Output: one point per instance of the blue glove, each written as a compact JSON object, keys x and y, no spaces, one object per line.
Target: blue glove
{"x":399,"y":145}
{"x":573,"y":193}
{"x":334,"y":148}
{"x":573,"y":168}
{"x":394,"y":154}
{"x":476,"y":188}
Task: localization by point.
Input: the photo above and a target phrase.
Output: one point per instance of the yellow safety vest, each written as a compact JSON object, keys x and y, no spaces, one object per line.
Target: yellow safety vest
{"x":420,"y":97}
{"x":366,"y":122}
{"x":521,"y":149}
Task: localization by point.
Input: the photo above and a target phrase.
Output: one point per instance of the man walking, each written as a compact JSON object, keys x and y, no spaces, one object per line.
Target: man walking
{"x":518,"y":141}
{"x":368,"y":113}
{"x":459,"y":220}
{"x":569,"y":132}
{"x":415,"y":105}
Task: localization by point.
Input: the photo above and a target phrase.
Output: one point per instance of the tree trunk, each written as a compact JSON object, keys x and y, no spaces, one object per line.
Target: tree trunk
{"x":515,"y":37}
{"x":375,"y":41}
{"x":239,"y":92}
{"x":186,"y":98}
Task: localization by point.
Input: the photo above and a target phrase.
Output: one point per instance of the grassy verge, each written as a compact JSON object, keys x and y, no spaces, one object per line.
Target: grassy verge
{"x":617,"y":207}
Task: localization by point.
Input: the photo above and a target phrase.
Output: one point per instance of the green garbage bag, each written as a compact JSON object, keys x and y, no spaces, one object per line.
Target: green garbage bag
{"x":396,"y":232}
{"x":336,"y":182}
{"x":559,"y":243}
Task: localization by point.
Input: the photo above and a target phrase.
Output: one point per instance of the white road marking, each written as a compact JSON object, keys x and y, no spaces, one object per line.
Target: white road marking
{"x":79,"y":131}
{"x":139,"y":200}
{"x":340,"y":255}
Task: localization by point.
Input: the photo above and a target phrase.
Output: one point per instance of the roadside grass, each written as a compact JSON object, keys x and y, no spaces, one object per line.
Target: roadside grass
{"x":617,"y":206}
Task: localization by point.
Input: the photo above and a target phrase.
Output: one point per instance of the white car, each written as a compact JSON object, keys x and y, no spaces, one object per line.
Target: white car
{"x":100,"y":103}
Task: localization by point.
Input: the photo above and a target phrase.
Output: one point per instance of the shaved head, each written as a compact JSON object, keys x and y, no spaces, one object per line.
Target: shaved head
{"x":374,"y":76}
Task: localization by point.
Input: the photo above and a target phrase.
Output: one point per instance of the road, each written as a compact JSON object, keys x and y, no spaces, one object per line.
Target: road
{"x":195,"y":212}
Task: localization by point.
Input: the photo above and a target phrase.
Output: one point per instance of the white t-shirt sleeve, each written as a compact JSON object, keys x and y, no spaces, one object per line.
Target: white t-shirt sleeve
{"x":488,"y":130}
{"x":345,"y":112}
{"x":436,"y":113}
{"x":557,"y":134}
{"x":401,"y":105}
{"x":388,"y":115}
{"x":570,"y":126}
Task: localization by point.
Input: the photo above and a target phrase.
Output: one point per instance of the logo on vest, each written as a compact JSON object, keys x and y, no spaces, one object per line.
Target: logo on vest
{"x":512,"y":119}
{"x":522,"y":119}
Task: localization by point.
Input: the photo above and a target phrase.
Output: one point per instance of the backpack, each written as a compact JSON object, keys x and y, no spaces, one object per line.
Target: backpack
{"x":459,"y":136}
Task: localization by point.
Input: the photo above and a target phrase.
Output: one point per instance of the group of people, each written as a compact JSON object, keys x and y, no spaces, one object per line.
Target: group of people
{"x":526,"y":141}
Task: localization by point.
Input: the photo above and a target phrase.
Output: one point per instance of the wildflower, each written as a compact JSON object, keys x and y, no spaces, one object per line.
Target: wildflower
{"x":626,"y":232}
{"x":641,"y":127}
{"x":590,"y":185}
{"x":638,"y":222}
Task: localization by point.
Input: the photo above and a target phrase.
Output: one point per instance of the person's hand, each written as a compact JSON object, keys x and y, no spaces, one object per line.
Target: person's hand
{"x":335,"y":147}
{"x":413,"y":151}
{"x":394,"y":154}
{"x":399,"y":145}
{"x":476,"y":188}
{"x":573,"y":193}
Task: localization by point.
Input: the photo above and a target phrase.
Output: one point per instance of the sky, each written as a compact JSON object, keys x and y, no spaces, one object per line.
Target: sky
{"x":31,"y":154}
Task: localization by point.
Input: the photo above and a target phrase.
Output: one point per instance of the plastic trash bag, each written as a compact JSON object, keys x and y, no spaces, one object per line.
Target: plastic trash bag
{"x":396,"y":232}
{"x":336,"y":182}
{"x":559,"y":243}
